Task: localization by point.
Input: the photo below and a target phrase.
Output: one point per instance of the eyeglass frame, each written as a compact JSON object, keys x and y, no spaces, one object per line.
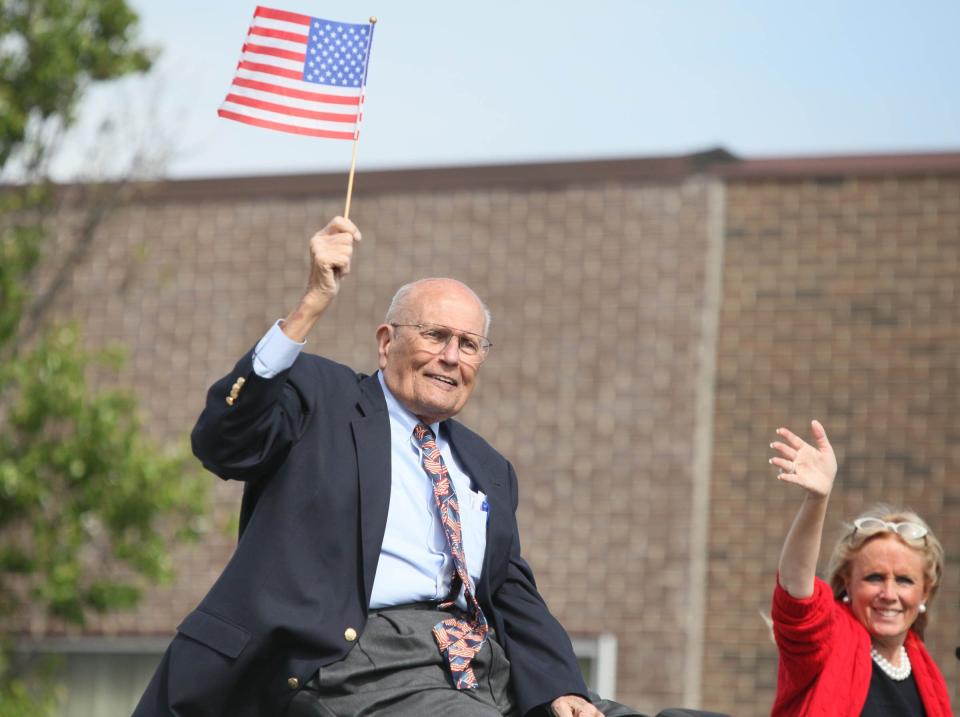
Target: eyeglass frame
{"x":891,"y":527}
{"x":484,"y":344}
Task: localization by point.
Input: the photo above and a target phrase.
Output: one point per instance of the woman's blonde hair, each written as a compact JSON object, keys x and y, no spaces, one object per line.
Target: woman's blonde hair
{"x":847,"y":548}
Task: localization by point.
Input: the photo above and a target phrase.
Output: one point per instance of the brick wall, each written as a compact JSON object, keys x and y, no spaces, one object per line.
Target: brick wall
{"x":638,"y":424}
{"x":839,"y":303}
{"x":595,"y":290}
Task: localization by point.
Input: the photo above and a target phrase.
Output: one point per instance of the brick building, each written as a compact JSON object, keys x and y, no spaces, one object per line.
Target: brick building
{"x":654,"y":320}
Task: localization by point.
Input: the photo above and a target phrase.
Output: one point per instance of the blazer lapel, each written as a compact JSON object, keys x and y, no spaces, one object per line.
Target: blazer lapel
{"x":472,"y":456}
{"x":371,"y":434}
{"x":475,"y":457}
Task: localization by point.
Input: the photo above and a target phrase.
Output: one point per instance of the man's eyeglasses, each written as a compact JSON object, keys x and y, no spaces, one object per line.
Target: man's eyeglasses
{"x":436,"y":337}
{"x":906,"y":530}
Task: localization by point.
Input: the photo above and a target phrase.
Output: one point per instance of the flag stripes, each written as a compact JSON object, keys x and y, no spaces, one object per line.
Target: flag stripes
{"x":294,"y":111}
{"x":278,"y":34}
{"x":295,"y":94}
{"x":293,"y":18}
{"x":274,"y":52}
{"x":286,"y":58}
{"x":251,"y":119}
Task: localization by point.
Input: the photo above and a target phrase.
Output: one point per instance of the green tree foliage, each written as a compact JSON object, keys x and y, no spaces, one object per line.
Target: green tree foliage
{"x":50,"y":52}
{"x":82,"y":490}
{"x":88,"y":504}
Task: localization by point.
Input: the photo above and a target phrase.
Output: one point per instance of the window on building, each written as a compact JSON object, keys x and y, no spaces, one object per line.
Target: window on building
{"x":100,"y":676}
{"x":598,"y":662}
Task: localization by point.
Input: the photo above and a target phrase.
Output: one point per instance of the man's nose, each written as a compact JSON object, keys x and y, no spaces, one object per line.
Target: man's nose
{"x":451,"y":352}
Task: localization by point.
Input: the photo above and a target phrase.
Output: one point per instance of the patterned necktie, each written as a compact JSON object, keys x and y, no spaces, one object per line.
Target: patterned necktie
{"x":459,"y":639}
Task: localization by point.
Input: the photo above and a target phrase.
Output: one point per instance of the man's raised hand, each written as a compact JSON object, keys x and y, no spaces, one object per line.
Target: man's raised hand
{"x":331,"y":252}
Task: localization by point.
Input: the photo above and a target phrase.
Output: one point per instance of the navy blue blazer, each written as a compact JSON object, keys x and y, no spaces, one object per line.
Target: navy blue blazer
{"x":312,"y":446}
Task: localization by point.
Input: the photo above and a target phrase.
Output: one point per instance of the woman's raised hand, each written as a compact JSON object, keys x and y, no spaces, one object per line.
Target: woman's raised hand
{"x":813,"y":467}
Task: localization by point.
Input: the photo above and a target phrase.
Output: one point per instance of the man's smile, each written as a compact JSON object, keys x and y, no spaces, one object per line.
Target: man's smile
{"x":442,"y":379}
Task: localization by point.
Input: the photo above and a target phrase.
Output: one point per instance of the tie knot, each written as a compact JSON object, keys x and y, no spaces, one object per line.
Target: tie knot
{"x":422,"y":432}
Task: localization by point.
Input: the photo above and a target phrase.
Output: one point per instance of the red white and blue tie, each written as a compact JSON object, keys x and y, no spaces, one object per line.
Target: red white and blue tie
{"x":459,"y":639}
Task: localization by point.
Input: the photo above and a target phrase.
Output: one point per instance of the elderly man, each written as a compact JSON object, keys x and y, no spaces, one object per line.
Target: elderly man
{"x":378,"y":569}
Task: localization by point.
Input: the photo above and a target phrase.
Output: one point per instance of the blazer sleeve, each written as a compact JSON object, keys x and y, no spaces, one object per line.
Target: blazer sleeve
{"x":250,"y":423}
{"x":542,"y":662}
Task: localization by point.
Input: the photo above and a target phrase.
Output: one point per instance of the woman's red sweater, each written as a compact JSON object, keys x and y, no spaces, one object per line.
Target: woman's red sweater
{"x":825,"y":664}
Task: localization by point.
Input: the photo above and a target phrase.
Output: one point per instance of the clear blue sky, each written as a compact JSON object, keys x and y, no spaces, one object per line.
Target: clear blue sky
{"x":506,"y":81}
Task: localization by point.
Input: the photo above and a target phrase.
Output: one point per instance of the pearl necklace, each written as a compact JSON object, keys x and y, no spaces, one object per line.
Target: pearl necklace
{"x":894,"y":673}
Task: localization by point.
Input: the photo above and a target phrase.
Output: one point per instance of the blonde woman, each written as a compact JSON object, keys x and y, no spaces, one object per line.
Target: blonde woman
{"x":852,"y":646}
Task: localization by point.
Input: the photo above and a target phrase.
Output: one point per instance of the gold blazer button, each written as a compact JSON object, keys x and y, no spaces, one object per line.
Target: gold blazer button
{"x":349,"y":634}
{"x":293,"y":683}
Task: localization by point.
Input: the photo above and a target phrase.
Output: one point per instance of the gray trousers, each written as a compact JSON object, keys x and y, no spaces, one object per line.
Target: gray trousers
{"x":396,"y":669}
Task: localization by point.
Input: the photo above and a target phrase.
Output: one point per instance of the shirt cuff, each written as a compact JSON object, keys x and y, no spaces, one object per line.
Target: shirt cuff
{"x":275,"y":352}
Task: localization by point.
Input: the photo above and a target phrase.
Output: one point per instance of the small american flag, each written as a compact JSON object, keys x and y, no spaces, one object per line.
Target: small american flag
{"x":301,"y":74}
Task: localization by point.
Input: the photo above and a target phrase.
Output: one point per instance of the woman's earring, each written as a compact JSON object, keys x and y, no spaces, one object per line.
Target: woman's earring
{"x":846,"y":599}
{"x":923,"y":608}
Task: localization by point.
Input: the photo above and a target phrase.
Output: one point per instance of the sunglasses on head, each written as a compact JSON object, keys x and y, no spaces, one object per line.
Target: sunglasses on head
{"x":906,"y":529}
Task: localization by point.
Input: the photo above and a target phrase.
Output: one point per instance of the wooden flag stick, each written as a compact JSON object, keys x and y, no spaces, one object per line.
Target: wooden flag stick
{"x":353,"y":166}
{"x":356,"y":135}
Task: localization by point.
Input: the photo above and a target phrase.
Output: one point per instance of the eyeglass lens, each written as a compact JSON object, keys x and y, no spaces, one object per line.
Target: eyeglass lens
{"x":441,"y":335}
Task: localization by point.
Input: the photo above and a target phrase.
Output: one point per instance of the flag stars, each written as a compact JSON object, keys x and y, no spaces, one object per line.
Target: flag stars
{"x":339,"y":50}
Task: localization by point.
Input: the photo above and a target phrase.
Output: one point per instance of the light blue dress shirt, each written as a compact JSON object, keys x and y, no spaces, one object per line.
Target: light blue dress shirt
{"x":415,"y":563}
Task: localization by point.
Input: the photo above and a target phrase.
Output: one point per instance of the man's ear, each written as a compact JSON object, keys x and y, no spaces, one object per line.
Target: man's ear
{"x":384,"y":339}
